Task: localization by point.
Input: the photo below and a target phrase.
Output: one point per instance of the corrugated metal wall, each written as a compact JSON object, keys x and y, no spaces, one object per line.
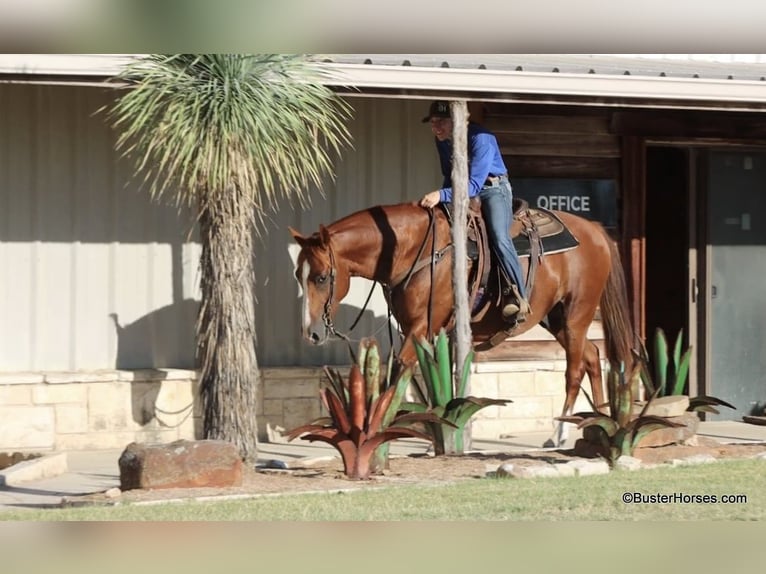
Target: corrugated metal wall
{"x":393,"y":160}
{"x":93,"y":275}
{"x":96,"y":276}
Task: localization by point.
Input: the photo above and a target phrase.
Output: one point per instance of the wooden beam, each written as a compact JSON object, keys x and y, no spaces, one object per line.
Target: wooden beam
{"x":689,"y":125}
{"x":634,"y":226}
{"x":571,"y":145}
{"x":549,"y":124}
{"x":575,"y":167}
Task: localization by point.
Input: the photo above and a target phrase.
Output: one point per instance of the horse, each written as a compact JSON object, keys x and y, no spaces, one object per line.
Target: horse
{"x":395,"y":245}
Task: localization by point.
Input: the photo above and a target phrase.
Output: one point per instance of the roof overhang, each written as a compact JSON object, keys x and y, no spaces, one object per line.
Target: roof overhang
{"x":553,"y":87}
{"x":408,"y":81}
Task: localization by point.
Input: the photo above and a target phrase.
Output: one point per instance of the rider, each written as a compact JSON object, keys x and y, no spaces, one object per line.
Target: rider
{"x":488,"y":178}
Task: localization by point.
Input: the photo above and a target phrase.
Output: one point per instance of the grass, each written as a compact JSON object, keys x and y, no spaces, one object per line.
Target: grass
{"x":491,"y":499}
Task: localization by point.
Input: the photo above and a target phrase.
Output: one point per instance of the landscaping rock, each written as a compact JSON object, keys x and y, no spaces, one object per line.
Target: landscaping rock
{"x":537,"y":471}
{"x":627,"y":463}
{"x":589,"y":467}
{"x":180,"y":464}
{"x":35,"y":468}
{"x":505,"y":470}
{"x":693,"y":460}
{"x":509,"y":470}
{"x":670,"y":406}
{"x":673,"y":435}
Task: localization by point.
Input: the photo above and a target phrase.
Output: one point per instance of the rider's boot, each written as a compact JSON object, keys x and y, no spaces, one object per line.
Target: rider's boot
{"x":516,"y":308}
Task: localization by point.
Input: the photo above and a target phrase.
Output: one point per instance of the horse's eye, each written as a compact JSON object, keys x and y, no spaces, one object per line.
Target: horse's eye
{"x":321,"y":279}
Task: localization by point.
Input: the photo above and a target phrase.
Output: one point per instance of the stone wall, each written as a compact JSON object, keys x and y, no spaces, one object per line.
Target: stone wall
{"x":109,"y":409}
{"x":95,"y":409}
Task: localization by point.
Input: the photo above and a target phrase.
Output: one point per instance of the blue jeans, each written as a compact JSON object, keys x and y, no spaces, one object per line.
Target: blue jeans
{"x":497,"y":209}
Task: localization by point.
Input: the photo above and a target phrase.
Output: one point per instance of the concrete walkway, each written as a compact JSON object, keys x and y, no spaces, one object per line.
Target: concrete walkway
{"x":44,"y":482}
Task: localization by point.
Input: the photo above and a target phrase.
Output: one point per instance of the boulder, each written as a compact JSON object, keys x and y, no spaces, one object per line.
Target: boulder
{"x":673,"y":435}
{"x":669,"y":406}
{"x":180,"y":464}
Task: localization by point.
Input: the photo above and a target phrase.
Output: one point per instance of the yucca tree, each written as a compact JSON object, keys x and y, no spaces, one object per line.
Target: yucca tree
{"x":228,"y":136}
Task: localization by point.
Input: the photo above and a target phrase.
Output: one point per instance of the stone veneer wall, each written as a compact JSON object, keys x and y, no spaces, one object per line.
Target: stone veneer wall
{"x":109,"y":409}
{"x":96,"y":409}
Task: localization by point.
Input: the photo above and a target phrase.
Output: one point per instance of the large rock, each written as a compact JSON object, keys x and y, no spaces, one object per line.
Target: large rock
{"x":589,"y":445}
{"x":673,"y":435}
{"x":669,"y":406}
{"x":180,"y":464}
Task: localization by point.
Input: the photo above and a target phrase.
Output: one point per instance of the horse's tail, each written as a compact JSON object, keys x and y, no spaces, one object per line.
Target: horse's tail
{"x":615,"y":314}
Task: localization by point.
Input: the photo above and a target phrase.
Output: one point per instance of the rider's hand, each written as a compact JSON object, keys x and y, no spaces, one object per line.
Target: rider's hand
{"x":430,"y":199}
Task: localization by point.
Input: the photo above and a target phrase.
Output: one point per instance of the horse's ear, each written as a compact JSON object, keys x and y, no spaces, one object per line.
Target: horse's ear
{"x":297,"y":236}
{"x":324,"y":235}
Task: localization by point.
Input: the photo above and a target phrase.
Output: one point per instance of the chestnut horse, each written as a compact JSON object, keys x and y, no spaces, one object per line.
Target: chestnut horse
{"x":393,"y":245}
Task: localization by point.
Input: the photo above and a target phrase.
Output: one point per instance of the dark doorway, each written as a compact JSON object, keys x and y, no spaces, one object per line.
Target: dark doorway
{"x":667,"y":243}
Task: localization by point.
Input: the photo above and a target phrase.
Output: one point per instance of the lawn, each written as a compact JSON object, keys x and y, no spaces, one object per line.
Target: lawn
{"x":692,"y":493}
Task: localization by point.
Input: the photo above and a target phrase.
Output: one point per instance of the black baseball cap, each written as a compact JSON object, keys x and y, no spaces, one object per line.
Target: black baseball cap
{"x":438,"y":109}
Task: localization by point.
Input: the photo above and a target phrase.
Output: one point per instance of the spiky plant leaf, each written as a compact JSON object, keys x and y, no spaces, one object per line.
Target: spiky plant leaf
{"x":660,"y":360}
{"x":460,"y":410}
{"x":681,"y":373}
{"x":444,"y":366}
{"x":700,"y":402}
{"x":466,"y":374}
{"x":337,"y":411}
{"x":337,"y":385}
{"x":609,"y":425}
{"x":414,"y":407}
{"x":426,"y":389}
{"x":371,"y":368}
{"x":677,"y":350}
{"x":437,"y":392}
{"x":357,"y":393}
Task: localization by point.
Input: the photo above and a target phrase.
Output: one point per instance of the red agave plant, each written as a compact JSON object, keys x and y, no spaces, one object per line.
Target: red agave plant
{"x":363,"y":413}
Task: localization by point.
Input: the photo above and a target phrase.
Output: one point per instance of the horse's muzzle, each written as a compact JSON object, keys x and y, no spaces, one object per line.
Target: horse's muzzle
{"x":316,"y":335}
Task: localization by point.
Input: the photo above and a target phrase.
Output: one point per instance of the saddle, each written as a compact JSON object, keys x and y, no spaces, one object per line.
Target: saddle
{"x":534,"y":231}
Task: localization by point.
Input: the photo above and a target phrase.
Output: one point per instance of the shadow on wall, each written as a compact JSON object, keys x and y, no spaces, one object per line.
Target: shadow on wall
{"x":162,"y":339}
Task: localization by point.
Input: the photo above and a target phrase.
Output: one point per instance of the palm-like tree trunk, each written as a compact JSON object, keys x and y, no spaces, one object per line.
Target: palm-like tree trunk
{"x":229,"y":135}
{"x":226,"y":322}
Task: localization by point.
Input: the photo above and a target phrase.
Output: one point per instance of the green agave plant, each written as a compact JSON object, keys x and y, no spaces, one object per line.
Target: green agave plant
{"x":671,"y":371}
{"x":444,"y":395}
{"x":363,"y":413}
{"x":619,"y":431}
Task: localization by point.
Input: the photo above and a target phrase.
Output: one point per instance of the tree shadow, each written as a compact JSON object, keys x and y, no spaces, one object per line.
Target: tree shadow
{"x":162,"y":339}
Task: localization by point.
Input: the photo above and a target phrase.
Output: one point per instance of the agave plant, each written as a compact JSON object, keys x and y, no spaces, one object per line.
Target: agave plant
{"x":620,"y":431}
{"x":671,"y":372}
{"x":363,"y":413}
{"x":444,"y":395}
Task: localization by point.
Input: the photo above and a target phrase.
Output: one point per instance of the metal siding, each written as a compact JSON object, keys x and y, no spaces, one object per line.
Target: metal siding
{"x":80,"y":243}
{"x":393,"y":160}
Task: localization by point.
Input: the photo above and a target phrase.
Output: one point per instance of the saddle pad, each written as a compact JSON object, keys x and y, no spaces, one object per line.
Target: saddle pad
{"x":554,"y":235}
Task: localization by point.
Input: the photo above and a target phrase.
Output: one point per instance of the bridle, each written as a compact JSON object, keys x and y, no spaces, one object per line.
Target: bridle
{"x":417,"y":265}
{"x":327,"y":316}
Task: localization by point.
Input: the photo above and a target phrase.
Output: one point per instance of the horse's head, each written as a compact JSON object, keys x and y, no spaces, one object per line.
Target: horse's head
{"x":325,"y":282}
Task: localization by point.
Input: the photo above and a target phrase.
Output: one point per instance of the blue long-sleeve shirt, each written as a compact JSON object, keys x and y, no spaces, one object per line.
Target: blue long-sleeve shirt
{"x":484,"y":160}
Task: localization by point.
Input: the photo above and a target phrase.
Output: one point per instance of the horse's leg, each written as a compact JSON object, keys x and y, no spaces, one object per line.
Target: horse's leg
{"x":569,"y":328}
{"x":592,"y":361}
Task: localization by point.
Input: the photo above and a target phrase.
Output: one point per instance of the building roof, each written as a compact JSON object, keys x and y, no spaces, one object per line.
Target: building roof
{"x":748,"y":67}
{"x":731,"y":81}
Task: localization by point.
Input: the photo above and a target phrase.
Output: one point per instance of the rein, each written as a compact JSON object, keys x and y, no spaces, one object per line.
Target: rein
{"x":436,"y":256}
{"x":327,"y":318}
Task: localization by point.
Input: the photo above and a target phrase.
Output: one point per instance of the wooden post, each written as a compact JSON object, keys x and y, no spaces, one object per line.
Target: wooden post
{"x":463,"y":337}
